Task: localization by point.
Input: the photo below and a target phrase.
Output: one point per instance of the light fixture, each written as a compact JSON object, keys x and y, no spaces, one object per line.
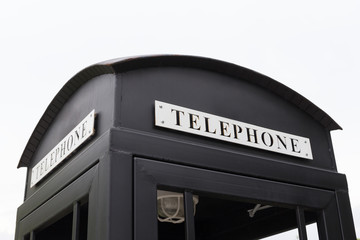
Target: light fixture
{"x":171,"y":206}
{"x":257,"y":207}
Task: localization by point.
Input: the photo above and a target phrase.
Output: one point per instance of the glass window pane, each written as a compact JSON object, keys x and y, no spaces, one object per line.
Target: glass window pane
{"x":84,"y":209}
{"x":311,"y":225}
{"x":312,"y":231}
{"x":219,"y":217}
{"x":288,"y":235}
{"x":224,"y":217}
{"x":60,"y":230}
{"x":27,"y":237}
{"x":170,"y":207}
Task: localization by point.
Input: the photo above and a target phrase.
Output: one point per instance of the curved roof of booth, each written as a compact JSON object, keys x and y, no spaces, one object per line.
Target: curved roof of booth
{"x":127,"y":64}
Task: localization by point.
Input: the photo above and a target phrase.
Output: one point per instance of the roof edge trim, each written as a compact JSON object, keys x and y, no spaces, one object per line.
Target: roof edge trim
{"x":55,"y":106}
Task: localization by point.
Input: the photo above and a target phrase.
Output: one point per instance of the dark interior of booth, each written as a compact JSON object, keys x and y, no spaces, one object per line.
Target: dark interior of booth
{"x":222,"y":219}
{"x":61,"y":227}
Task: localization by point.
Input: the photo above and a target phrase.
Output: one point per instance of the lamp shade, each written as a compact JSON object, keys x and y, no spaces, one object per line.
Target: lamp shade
{"x":171,"y":206}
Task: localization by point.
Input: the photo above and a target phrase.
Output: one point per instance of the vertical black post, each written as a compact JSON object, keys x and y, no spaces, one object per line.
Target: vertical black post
{"x":189,"y":216}
{"x":76,"y":221}
{"x":145,"y":208}
{"x":32,"y":235}
{"x":330,"y":220}
{"x":345,"y":214}
{"x":321,"y":226}
{"x":300,"y":218}
{"x":121,"y":196}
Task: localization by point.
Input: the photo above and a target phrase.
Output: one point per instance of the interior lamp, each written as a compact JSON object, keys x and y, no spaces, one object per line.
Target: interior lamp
{"x":171,"y":206}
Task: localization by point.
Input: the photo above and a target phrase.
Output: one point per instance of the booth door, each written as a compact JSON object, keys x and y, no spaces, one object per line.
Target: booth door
{"x":181,"y":202}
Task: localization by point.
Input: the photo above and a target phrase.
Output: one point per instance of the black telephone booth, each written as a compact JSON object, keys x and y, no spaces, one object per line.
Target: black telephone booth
{"x":181,"y":147}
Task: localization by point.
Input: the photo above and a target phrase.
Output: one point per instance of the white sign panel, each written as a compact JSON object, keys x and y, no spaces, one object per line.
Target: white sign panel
{"x":64,"y":148}
{"x":204,"y":124}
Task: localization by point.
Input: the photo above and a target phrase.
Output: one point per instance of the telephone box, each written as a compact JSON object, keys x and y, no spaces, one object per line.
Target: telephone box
{"x":181,"y":147}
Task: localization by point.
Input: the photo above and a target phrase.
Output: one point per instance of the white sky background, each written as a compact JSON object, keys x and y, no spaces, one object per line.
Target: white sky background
{"x":311,"y":46}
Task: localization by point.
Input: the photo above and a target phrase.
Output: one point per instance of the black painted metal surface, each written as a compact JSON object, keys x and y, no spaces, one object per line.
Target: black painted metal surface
{"x":118,"y":170}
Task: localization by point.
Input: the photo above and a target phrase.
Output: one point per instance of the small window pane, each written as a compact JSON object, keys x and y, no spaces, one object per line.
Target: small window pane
{"x":288,"y":235}
{"x":170,"y":207}
{"x":311,"y":225}
{"x":60,"y":230}
{"x":219,"y":217}
{"x":84,"y":209}
{"x":224,"y":217}
{"x":27,"y":237}
{"x":312,"y":231}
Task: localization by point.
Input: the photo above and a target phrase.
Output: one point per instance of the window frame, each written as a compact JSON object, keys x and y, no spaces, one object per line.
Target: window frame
{"x":64,"y":202}
{"x":151,"y":174}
